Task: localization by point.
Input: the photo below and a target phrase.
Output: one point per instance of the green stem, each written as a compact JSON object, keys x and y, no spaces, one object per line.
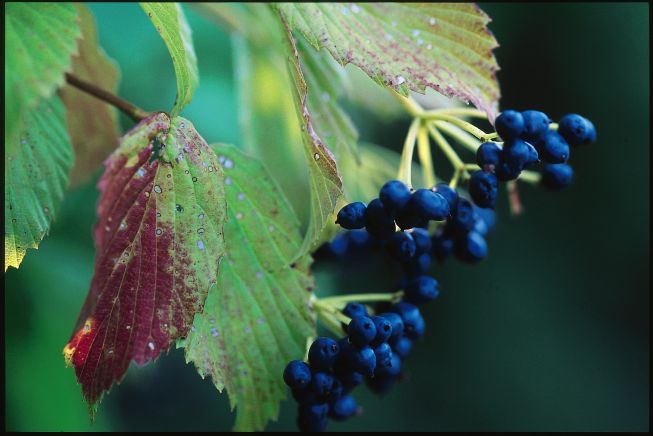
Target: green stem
{"x":469,"y":127}
{"x":446,"y":148}
{"x":460,"y":111}
{"x":405,"y":165}
{"x":340,"y":299}
{"x":411,"y":106}
{"x":530,"y":177}
{"x":327,"y":317}
{"x":425,"y":158}
{"x":462,"y":137}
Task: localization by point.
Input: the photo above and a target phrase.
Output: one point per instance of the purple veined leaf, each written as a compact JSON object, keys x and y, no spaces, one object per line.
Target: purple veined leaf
{"x":159,"y":244}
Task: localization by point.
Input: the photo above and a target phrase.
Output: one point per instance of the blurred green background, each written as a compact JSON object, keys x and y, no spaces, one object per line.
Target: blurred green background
{"x":550,"y":333}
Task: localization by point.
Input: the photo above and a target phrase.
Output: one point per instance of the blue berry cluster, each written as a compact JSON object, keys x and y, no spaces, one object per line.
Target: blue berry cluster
{"x":372,"y":350}
{"x":527,"y":140}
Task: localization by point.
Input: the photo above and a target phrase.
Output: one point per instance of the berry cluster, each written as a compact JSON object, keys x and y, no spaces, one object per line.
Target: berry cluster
{"x":528,"y":139}
{"x":399,"y":221}
{"x":371,"y":351}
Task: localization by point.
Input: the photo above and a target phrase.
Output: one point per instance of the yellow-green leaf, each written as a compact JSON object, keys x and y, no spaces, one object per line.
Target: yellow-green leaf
{"x":256,"y":318}
{"x":170,"y":21}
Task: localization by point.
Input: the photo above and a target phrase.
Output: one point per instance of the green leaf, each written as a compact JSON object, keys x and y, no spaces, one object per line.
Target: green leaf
{"x":92,"y":124}
{"x":39,"y":39}
{"x":37,"y":162}
{"x":256,"y":318}
{"x":408,"y":46}
{"x":170,"y":22}
{"x":324,"y":180}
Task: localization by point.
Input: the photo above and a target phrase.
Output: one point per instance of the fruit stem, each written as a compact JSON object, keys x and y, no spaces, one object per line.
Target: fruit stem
{"x":425,"y":158}
{"x":446,"y":148}
{"x":132,"y":111}
{"x":530,"y":177}
{"x":460,"y":111}
{"x":326,"y":316}
{"x":339,"y":301}
{"x":462,"y":137}
{"x":468,"y":127}
{"x":406,"y":162}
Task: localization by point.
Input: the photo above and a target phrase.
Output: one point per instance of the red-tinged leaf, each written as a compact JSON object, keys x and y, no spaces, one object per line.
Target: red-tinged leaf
{"x":159,"y":242}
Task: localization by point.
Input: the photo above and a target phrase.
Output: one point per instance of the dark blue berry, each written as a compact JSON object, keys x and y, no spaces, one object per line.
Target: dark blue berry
{"x":297,"y":374}
{"x":533,"y":155}
{"x":448,"y":193}
{"x":505,"y":172}
{"x":428,"y":205}
{"x":352,"y":216}
{"x":418,"y":265}
{"x":358,"y":239}
{"x":339,"y":245}
{"x":536,"y":123}
{"x":336,"y":390}
{"x":304,"y":396}
{"x":488,"y":154}
{"x":391,"y":368}
{"x":343,"y":408}
{"x":421,"y":290}
{"x":394,"y":195}
{"x":402,"y":347}
{"x":381,"y":384}
{"x":350,"y":380}
{"x":383,"y":354}
{"x":553,"y":148}
{"x":362,"y":360}
{"x":462,"y":219}
{"x":516,"y":153}
{"x":314,"y":411}
{"x":422,"y":240}
{"x":577,"y":130}
{"x":321,"y":384}
{"x":483,"y":189}
{"x":402,"y":246}
{"x":471,"y":247}
{"x":322,"y":353}
{"x":412,"y":318}
{"x":557,"y":176}
{"x":361,"y":330}
{"x":509,"y":125}
{"x":486,"y":216}
{"x":397,"y":325}
{"x":353,"y":309}
{"x":443,"y":244}
{"x":383,"y":329}
{"x":406,"y":219}
{"x":378,"y":222}
{"x":312,"y":420}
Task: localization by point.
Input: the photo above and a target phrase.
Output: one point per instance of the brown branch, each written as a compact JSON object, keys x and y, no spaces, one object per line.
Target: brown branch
{"x":132,"y":111}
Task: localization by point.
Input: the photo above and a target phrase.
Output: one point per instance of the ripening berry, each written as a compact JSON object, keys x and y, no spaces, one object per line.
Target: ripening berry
{"x":483,"y":189}
{"x":297,"y":374}
{"x":322,"y":353}
{"x":321,"y":384}
{"x":394,"y":195}
{"x":488,"y":154}
{"x":402,"y":347}
{"x":383,"y":329}
{"x":553,"y":148}
{"x":536,"y":123}
{"x":557,"y":176}
{"x":421,"y":289}
{"x":509,"y":125}
{"x":343,"y":408}
{"x":378,"y":222}
{"x":397,"y":325}
{"x":361,"y":331}
{"x":448,"y":193}
{"x":428,"y":205}
{"x":353,"y":309}
{"x":463,"y":218}
{"x":576,"y":129}
{"x":383,"y":354}
{"x":471,"y":247}
{"x":516,"y":153}
{"x":362,"y":360}
{"x":402,"y":246}
{"x":352,"y":216}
